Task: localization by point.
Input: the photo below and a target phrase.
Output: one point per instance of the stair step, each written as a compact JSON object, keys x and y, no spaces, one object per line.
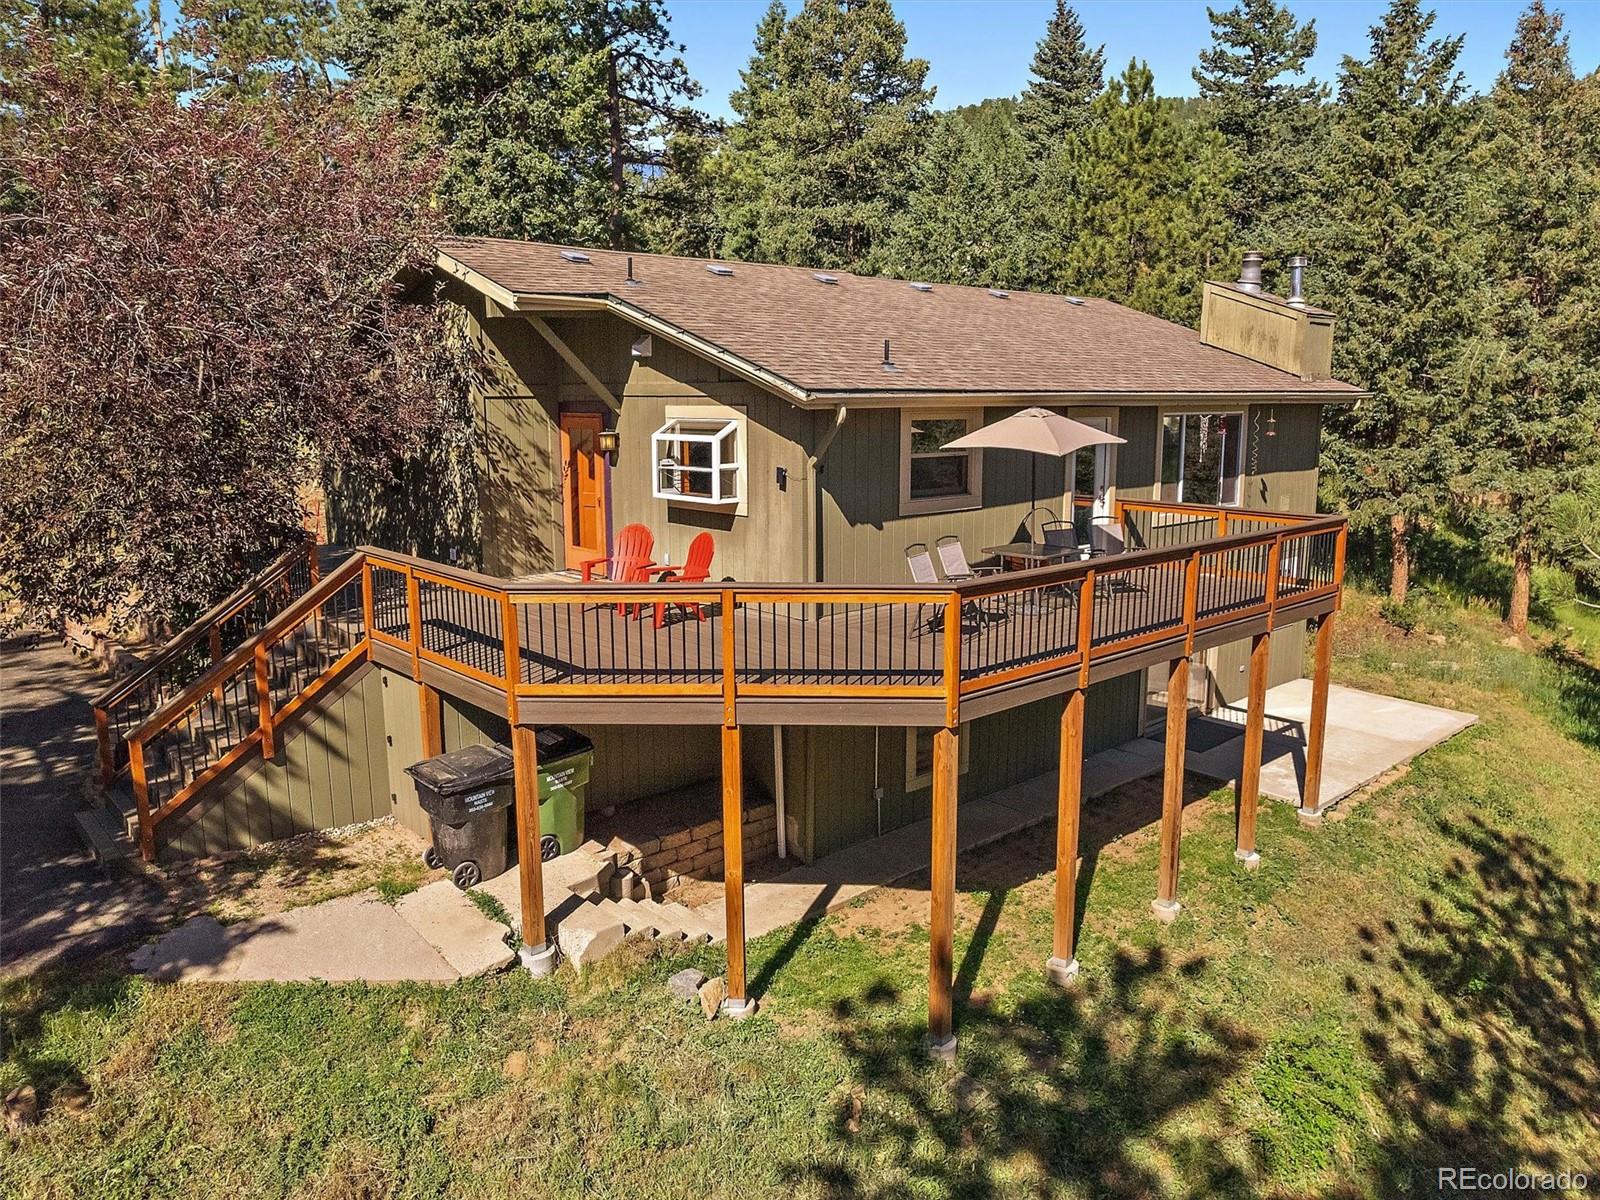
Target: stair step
{"x":647,"y":918}
{"x":104,"y":836}
{"x":686,"y":919}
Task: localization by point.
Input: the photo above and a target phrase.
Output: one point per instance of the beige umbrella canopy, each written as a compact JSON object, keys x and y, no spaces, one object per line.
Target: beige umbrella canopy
{"x":1038,"y":431}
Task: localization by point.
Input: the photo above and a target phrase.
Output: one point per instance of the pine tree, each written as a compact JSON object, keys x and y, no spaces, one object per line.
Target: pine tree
{"x":243,"y":47}
{"x":1266,"y":119}
{"x":965,"y":221}
{"x":1067,"y":76}
{"x":1396,"y":259}
{"x":834,"y":115}
{"x":1532,"y":423}
{"x":552,"y":114}
{"x":1136,"y":203}
{"x":102,"y":39}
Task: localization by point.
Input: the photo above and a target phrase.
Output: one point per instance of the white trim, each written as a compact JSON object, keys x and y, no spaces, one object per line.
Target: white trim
{"x":970,"y":499}
{"x":713,"y":426}
{"x":914,"y":781}
{"x":1161,"y":440}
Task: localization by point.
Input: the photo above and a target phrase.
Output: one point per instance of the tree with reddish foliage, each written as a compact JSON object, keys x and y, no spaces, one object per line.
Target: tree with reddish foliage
{"x":199,"y":316}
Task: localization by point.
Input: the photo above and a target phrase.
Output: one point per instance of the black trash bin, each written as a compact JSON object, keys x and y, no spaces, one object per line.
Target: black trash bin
{"x":467,"y":794}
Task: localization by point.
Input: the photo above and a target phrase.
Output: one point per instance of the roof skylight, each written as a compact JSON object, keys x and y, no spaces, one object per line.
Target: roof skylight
{"x":820,"y":277}
{"x":574,"y":256}
{"x":923,"y":287}
{"x":1000,"y":293}
{"x":719,"y":269}
{"x":1078,"y":300}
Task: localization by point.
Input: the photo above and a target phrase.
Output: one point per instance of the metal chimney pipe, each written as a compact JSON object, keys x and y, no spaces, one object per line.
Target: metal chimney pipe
{"x":1297,"y":280}
{"x":1250,"y":271}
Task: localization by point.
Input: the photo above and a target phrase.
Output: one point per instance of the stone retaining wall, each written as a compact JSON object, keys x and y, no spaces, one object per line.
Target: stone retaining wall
{"x":695,"y":852}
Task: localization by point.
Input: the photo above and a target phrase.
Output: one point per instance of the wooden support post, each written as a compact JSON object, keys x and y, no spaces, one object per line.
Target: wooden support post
{"x":1166,"y":902}
{"x":1250,"y":771}
{"x":1317,"y":728}
{"x":737,"y":1004}
{"x":432,"y":706}
{"x":141,"y":800}
{"x":1062,"y":968}
{"x":537,"y":955}
{"x":942,"y":903}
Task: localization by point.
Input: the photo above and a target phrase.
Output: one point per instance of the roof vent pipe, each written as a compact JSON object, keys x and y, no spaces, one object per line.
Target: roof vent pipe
{"x":1250,"y":271}
{"x":1297,"y":280}
{"x":888,"y":363}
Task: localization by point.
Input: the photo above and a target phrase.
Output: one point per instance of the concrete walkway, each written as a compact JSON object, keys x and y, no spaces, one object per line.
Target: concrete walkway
{"x":55,"y":904}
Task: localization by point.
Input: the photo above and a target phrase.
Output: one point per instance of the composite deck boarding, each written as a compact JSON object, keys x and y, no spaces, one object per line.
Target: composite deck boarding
{"x":771,"y":652}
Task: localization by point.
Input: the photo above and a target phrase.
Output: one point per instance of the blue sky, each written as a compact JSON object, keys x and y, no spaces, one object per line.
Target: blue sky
{"x":981,"y":48}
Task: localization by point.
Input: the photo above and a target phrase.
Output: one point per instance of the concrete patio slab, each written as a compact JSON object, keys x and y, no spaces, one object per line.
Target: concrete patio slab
{"x":1368,"y":735}
{"x":351,"y":938}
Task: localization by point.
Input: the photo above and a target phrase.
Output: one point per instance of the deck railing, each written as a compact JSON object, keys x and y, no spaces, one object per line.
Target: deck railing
{"x":131,"y":701}
{"x":734,"y":641}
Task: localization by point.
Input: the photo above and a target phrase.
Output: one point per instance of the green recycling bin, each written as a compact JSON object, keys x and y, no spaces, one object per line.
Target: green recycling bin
{"x":565,"y":760}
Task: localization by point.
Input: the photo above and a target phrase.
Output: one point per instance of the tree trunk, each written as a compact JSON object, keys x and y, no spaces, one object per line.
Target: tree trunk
{"x":1521,"y":585}
{"x":614,"y":113}
{"x":157,"y":35}
{"x":1399,"y":557}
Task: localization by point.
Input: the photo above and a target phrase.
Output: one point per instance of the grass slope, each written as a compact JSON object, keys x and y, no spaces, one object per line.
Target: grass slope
{"x":1413,"y":985}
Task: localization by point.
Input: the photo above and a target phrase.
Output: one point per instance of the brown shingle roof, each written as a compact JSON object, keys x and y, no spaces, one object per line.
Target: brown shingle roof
{"x":828,"y":338}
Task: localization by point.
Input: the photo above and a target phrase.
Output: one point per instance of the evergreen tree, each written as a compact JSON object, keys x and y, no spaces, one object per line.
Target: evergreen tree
{"x":244,"y":47}
{"x":552,"y":114}
{"x":833,"y":117}
{"x":1067,"y":76}
{"x":965,"y":221}
{"x":1532,"y":423}
{"x":1136,"y":208}
{"x":1395,"y":257}
{"x":1266,"y":119}
{"x":102,"y":39}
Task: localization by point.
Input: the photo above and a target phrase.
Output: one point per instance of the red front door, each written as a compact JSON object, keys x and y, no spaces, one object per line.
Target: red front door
{"x":583,"y":487}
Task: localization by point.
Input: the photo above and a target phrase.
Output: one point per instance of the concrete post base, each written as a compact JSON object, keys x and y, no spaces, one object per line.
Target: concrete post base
{"x":1312,"y":816}
{"x":1249,"y":858}
{"x":539,"y":961}
{"x":1061,"y":972}
{"x":1166,"y":910}
{"x":738,"y":1010}
{"x":941,"y":1051}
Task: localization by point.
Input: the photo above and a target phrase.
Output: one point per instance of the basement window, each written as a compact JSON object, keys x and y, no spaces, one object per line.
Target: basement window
{"x":919,"y":756}
{"x":933,"y":479}
{"x":699,"y":460}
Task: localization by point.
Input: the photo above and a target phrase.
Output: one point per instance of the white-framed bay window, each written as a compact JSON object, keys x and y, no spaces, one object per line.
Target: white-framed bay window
{"x":933,"y":479}
{"x":1202,"y":457}
{"x":699,"y":460}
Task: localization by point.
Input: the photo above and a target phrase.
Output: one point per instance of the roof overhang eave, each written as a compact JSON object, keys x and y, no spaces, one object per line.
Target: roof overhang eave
{"x":888,"y":398}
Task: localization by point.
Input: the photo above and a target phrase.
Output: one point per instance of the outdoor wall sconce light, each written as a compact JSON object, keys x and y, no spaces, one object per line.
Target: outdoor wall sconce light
{"x":610,"y":442}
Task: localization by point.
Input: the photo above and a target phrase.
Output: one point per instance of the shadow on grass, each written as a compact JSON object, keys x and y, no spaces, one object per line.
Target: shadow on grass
{"x":1484,"y":1019}
{"x":1078,"y":1087}
{"x":1578,"y":693}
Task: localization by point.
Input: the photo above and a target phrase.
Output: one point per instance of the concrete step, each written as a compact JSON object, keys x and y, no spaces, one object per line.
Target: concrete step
{"x":448,"y":920}
{"x":645,"y":916}
{"x":694,"y":928}
{"x":105,"y":836}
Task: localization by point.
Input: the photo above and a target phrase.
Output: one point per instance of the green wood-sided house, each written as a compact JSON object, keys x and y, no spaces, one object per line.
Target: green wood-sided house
{"x":801,"y":418}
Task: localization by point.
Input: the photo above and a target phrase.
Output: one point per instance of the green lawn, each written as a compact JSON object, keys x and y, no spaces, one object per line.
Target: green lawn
{"x":1415,"y":984}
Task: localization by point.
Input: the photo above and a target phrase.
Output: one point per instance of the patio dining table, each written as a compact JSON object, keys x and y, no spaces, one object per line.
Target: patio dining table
{"x":1033,"y":554}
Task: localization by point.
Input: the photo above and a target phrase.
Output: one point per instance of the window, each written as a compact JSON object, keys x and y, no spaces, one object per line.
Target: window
{"x":933,"y":479}
{"x":699,"y":460}
{"x":1202,"y":457}
{"x":919,"y":756}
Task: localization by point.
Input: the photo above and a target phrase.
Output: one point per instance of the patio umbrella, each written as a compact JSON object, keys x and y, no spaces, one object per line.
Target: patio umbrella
{"x":1037,"y":431}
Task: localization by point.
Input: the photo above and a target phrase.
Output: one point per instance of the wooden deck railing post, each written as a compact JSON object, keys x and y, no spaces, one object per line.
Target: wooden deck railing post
{"x":414,"y":615}
{"x":1249,"y":797}
{"x":1166,"y":902}
{"x":1062,"y":968}
{"x":313,"y":559}
{"x":368,"y":608}
{"x":738,"y":1003}
{"x":942,"y":901}
{"x":535,"y":953}
{"x":141,"y":799}
{"x":1085,"y":626}
{"x":952,"y":661}
{"x":730,"y":679}
{"x":264,"y":703}
{"x":1317,"y":726}
{"x":102,"y":737}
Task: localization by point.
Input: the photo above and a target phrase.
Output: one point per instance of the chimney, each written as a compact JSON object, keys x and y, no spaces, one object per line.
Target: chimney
{"x":1250,"y":271}
{"x":1297,"y":280}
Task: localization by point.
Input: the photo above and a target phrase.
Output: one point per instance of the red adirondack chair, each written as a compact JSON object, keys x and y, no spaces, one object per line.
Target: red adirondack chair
{"x":629,"y":561}
{"x":696,"y":569}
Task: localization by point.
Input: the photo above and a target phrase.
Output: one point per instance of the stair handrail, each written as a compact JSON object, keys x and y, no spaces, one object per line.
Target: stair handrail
{"x":207,"y":625}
